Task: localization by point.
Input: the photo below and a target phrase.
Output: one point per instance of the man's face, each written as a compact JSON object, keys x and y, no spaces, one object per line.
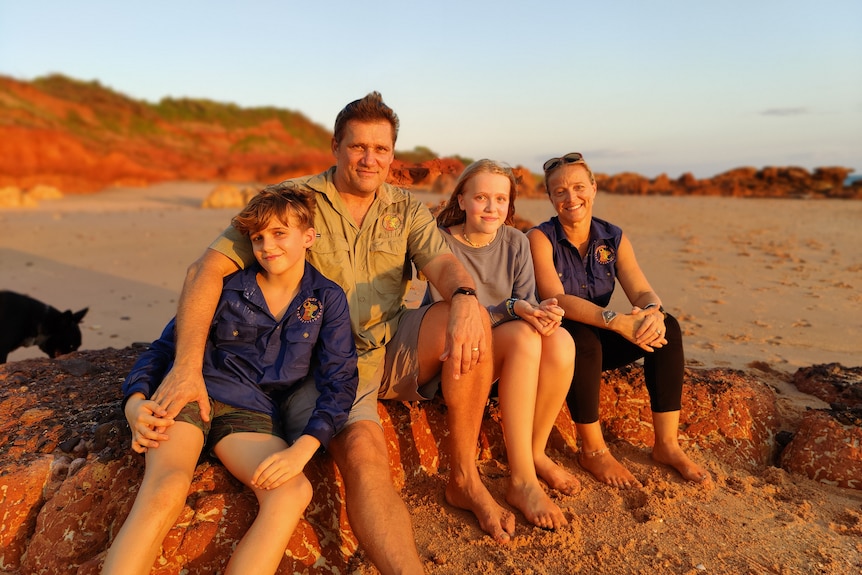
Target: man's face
{"x":363,"y":157}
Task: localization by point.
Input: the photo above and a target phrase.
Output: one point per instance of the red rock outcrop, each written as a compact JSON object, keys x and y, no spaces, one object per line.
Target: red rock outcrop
{"x":828,"y":444}
{"x":68,"y":479}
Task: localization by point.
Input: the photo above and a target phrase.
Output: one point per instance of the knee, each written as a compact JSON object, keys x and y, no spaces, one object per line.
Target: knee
{"x":165,"y":492}
{"x":296,"y":493}
{"x":360,"y":453}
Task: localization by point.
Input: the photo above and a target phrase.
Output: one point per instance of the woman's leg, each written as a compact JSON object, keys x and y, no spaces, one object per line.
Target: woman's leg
{"x":664,"y":370}
{"x":583,"y":401}
{"x":517,"y":353}
{"x":556,"y":368}
{"x":168,"y":475}
{"x":262,"y":547}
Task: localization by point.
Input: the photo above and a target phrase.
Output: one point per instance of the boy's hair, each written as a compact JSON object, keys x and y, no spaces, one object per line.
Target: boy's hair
{"x":452,"y":214}
{"x":287,"y":202}
{"x":368,"y":109}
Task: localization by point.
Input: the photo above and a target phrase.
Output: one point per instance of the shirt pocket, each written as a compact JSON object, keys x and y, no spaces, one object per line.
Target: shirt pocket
{"x":387,"y":261}
{"x":331,"y":256}
{"x":299,"y":340}
{"x":236,"y":347}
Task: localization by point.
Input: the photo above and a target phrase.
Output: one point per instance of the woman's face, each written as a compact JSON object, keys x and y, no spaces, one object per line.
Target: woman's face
{"x":485,"y":200}
{"x":571,"y":193}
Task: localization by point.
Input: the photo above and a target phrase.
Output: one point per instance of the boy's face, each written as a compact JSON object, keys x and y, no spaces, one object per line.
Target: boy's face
{"x":280,"y":247}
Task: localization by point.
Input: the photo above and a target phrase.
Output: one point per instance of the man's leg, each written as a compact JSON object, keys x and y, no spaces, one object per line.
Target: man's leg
{"x":465,"y":402}
{"x":377,"y":514}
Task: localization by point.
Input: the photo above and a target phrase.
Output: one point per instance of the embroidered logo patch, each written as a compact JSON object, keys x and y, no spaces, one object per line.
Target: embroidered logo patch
{"x":391,"y":222}
{"x":605,"y":254}
{"x":310,"y":310}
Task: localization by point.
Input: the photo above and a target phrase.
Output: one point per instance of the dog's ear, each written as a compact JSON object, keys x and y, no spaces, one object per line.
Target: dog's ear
{"x":79,"y":315}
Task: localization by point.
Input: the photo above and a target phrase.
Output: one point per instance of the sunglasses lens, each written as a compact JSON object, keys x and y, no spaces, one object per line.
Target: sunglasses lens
{"x":551,"y":164}
{"x":554,"y":163}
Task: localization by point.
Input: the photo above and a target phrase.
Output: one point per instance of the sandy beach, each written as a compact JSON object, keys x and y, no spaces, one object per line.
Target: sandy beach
{"x":762,"y":285}
{"x":752,"y":280}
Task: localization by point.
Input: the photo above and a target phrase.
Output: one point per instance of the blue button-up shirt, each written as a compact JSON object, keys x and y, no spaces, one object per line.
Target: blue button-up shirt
{"x":250,"y":355}
{"x":593,"y":277}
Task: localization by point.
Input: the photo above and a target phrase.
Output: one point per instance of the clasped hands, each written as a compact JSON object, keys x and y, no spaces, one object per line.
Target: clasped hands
{"x":649,"y":332}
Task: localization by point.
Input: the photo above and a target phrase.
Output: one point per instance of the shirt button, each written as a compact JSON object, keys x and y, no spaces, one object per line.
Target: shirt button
{"x":583,"y":286}
{"x":305,"y":335}
{"x":235,"y":333}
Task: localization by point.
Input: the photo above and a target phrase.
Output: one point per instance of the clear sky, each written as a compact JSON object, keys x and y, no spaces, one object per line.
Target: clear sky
{"x":645,"y":86}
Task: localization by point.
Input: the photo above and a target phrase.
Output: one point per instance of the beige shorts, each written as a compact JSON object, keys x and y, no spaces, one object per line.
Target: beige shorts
{"x":397,"y":377}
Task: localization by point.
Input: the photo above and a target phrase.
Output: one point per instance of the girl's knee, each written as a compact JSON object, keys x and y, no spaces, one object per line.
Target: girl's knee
{"x":295,"y":493}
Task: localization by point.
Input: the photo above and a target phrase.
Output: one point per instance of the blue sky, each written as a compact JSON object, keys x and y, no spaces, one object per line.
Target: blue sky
{"x":650,"y":87}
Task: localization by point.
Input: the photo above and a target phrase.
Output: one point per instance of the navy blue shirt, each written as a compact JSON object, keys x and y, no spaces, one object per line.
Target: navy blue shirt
{"x":250,"y":355}
{"x":593,"y":277}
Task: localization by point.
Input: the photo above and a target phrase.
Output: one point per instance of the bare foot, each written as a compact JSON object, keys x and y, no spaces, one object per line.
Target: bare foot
{"x":606,"y":469}
{"x":535,"y":504}
{"x":676,"y":458}
{"x":555,"y":476}
{"x":472,"y":495}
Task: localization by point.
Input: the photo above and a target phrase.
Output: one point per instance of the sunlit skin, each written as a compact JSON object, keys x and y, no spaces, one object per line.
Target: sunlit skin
{"x":572,"y":195}
{"x":532,"y":382}
{"x":363,"y":158}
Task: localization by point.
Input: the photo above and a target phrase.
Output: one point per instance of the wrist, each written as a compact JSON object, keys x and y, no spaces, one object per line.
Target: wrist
{"x":468,"y":291}
{"x":510,"y":307}
{"x":608,"y":316}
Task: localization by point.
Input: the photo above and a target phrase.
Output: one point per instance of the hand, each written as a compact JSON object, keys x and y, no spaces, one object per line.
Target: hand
{"x":284,"y":465}
{"x":651,"y":331}
{"x":546,"y":318}
{"x":179,"y":387}
{"x":147,"y":422}
{"x":465,"y":334}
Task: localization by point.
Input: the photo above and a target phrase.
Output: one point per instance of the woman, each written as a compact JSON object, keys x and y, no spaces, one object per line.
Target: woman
{"x":533,"y":360}
{"x":577,"y":259}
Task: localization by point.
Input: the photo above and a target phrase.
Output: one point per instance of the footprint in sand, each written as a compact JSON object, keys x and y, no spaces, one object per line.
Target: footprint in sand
{"x":801,"y":323}
{"x":759,"y":323}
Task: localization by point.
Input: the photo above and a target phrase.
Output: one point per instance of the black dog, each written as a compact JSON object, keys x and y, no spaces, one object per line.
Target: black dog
{"x":25,"y":321}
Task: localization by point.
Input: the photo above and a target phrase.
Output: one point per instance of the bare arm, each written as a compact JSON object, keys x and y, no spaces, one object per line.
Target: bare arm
{"x":577,"y":309}
{"x":465,"y":330}
{"x":201,"y":291}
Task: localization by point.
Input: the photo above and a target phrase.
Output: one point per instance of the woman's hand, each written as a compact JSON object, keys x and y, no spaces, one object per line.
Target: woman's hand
{"x":545,"y":318}
{"x":651,"y":331}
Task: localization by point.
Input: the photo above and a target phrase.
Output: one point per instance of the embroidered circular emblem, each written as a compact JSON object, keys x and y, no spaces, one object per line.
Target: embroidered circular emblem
{"x":605,"y":254}
{"x":391,"y":222}
{"x":310,"y":310}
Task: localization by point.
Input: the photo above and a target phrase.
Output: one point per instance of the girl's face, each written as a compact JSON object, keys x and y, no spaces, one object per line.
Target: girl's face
{"x":280,"y":247}
{"x":572,"y":193}
{"x":485,"y":200}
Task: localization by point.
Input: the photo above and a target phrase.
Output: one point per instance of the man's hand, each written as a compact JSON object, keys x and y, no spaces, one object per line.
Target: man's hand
{"x":147,"y":422}
{"x":545,"y":318}
{"x":179,"y":387}
{"x":466,"y":343}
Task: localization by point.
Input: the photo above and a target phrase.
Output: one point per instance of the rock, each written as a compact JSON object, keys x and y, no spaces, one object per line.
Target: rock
{"x":42,"y":192}
{"x":826,"y":450}
{"x":68,"y":477}
{"x":13,"y":197}
{"x":229,"y":196}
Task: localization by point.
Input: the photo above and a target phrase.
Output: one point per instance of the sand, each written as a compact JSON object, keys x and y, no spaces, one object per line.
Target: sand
{"x":775,"y":281}
{"x":771,"y":284}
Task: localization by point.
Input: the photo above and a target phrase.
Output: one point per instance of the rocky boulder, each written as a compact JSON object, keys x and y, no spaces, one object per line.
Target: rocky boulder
{"x":68,"y":478}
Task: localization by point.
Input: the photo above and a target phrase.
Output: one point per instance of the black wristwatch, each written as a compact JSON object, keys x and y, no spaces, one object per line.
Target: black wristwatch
{"x":464,"y":291}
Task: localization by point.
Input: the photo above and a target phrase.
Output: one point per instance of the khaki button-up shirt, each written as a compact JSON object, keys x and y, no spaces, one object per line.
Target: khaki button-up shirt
{"x":373,"y":263}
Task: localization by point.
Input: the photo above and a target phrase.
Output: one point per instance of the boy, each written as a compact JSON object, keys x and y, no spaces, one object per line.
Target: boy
{"x":276,"y":323}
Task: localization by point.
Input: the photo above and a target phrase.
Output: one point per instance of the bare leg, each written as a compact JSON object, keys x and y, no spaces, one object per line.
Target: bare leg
{"x":667,"y":450}
{"x":596,"y":458}
{"x":377,"y":514}
{"x":555,"y":373}
{"x":167,"y":478}
{"x":518,"y":381}
{"x":262,"y":547}
{"x":465,"y":400}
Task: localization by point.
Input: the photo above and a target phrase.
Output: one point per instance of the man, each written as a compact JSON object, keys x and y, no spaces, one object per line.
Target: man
{"x":370,"y":233}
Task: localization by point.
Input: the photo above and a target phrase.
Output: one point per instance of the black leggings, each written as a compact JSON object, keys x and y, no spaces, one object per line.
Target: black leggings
{"x":598,"y":350}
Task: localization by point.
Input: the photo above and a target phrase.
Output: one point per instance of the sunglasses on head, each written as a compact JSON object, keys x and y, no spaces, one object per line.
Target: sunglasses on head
{"x":570,"y":158}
